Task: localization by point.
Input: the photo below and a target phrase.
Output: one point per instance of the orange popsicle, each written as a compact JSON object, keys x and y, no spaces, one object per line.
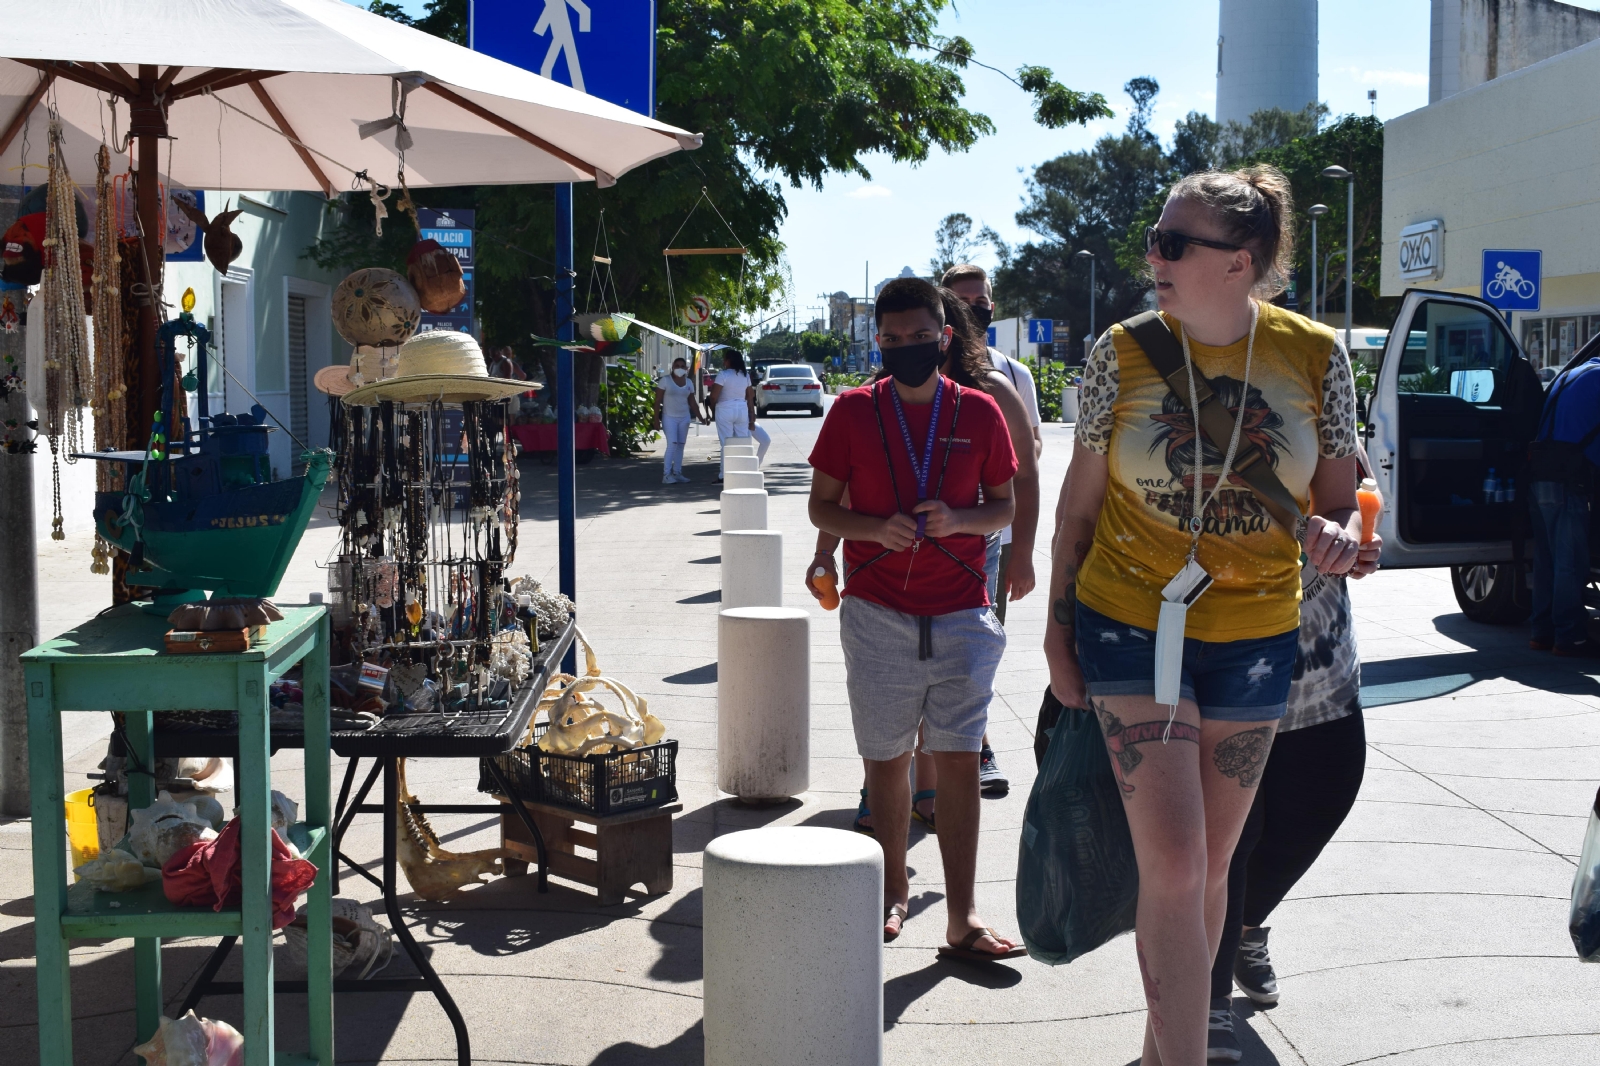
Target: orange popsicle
{"x":1371,"y":503}
{"x":827,"y":586}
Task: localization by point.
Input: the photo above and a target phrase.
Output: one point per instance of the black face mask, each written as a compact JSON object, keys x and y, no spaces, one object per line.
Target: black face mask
{"x":984,"y":315}
{"x":912,"y":364}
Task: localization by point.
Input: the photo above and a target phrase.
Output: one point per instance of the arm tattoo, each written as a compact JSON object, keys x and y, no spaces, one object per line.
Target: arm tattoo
{"x":1244,"y":755}
{"x":1121,"y":740}
{"x":1069,"y":592}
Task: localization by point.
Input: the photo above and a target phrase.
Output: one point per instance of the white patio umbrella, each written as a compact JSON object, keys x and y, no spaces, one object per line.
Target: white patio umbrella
{"x":299,"y":79}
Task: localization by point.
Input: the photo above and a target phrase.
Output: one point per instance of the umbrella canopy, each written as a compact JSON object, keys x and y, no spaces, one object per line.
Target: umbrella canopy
{"x":274,"y":94}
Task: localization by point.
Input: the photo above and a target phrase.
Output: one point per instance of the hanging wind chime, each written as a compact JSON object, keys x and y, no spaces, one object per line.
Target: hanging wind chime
{"x":66,"y":342}
{"x":110,"y":408}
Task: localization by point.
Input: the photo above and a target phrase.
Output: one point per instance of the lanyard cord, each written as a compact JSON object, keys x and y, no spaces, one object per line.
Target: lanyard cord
{"x":888,"y":456}
{"x":1196,"y":519}
{"x":920,"y":468}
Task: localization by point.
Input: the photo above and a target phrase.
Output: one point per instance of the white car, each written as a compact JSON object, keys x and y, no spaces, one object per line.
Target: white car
{"x":786,"y":386}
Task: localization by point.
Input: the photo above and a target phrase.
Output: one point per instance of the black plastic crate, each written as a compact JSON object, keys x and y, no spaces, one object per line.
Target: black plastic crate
{"x":599,"y":784}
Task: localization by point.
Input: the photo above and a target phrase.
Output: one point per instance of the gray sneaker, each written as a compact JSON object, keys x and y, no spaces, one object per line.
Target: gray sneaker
{"x":1221,"y":1044}
{"x":991,"y":779}
{"x":1252,"y":967}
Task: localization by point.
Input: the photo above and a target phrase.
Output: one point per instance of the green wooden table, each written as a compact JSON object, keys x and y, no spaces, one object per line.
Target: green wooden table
{"x":116,"y":662}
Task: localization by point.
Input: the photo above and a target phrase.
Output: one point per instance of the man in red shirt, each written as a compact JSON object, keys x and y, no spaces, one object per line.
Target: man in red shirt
{"x":921,"y":644}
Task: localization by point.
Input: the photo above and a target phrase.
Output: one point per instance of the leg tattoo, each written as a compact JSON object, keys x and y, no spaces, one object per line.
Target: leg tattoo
{"x":1244,"y":755}
{"x":1120,"y":739}
{"x":1152,"y":987}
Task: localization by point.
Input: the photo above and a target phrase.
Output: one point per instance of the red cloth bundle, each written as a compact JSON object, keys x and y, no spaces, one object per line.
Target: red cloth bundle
{"x":207,"y":872}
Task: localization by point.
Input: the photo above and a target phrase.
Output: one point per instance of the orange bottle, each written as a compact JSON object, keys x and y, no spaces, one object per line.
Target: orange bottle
{"x":1371,"y":504}
{"x":827,"y":586}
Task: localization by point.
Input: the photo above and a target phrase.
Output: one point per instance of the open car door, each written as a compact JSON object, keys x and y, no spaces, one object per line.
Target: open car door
{"x":1456,"y":403}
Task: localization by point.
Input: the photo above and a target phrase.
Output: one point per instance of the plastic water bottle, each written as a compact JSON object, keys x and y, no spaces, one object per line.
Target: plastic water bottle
{"x":1510,"y":491}
{"x":1490,"y":487}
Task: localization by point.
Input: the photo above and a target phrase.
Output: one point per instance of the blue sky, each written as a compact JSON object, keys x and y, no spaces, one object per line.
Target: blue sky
{"x":834,"y":233}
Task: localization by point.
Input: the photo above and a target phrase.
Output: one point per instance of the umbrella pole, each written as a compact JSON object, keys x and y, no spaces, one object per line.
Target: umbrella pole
{"x":147,"y":199}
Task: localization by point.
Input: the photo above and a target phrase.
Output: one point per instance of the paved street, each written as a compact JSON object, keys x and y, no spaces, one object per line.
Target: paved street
{"x":1433,"y":930}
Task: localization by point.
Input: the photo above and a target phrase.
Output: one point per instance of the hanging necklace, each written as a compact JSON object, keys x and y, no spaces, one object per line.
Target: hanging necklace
{"x":1196,"y":519}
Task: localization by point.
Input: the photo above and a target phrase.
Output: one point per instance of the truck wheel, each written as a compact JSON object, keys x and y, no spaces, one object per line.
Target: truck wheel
{"x":1488,"y":592}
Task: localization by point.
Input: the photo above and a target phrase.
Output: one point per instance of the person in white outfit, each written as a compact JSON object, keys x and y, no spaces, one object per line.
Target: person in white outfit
{"x":675,"y":406}
{"x":731,"y":395}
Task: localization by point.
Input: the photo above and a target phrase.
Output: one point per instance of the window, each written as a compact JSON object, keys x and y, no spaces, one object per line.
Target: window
{"x":298,"y":411}
{"x":1551,"y":342}
{"x":789,"y":372}
{"x":1455,"y":350}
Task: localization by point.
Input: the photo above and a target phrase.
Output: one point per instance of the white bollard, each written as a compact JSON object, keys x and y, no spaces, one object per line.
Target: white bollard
{"x":743,"y":479}
{"x":1069,"y":403}
{"x":793,"y":948}
{"x":752,"y":568}
{"x":763,"y":702}
{"x":742,"y":462}
{"x":731,"y":448}
{"x":744,"y":509}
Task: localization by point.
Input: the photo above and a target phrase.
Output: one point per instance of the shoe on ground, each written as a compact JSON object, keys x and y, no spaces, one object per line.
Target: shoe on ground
{"x":680,"y":479}
{"x":1583,"y":649}
{"x":1541,"y":644}
{"x":668,"y":479}
{"x":991,"y":779}
{"x":1252,"y":967}
{"x":1221,"y":1044}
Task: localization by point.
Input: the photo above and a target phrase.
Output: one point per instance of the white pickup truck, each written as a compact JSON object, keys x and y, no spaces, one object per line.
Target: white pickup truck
{"x":1455,"y":403}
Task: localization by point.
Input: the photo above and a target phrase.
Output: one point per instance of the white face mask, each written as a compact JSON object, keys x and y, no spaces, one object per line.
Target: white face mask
{"x":679,"y":372}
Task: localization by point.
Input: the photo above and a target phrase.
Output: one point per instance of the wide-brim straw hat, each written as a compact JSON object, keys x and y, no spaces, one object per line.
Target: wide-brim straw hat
{"x":442,"y":366}
{"x":368,"y":364}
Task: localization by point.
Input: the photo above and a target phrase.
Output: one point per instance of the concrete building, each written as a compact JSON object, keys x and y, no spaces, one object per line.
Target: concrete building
{"x":1474,"y":41}
{"x":1266,"y":57}
{"x":1513,"y":162}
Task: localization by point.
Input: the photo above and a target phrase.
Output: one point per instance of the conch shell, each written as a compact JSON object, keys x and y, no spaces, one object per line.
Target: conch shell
{"x":164,"y":828}
{"x":192,"y":1041}
{"x":117,"y":871}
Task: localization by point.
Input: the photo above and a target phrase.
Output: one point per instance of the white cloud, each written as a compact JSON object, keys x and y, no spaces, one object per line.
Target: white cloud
{"x":870,"y":192}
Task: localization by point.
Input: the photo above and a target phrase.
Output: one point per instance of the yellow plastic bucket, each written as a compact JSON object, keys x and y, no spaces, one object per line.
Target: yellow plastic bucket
{"x":83,"y":827}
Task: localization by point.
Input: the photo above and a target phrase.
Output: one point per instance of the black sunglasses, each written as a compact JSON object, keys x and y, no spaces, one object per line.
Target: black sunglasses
{"x":1173,"y":244}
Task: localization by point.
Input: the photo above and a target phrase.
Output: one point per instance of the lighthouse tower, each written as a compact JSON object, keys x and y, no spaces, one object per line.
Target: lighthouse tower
{"x":1266,"y":56}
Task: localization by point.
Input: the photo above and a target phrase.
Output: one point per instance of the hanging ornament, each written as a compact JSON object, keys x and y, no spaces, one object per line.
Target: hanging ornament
{"x":66,"y":342}
{"x":110,"y":412}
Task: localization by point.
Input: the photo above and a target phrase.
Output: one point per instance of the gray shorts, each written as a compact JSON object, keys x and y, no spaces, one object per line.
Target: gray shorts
{"x":892,"y":691}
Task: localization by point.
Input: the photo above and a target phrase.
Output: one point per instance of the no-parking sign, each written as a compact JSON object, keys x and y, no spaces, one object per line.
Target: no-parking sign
{"x":698,"y":311}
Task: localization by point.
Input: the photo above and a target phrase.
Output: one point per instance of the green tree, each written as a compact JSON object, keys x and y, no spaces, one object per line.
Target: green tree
{"x":954,"y":242}
{"x":782,"y":90}
{"x":780,"y":344}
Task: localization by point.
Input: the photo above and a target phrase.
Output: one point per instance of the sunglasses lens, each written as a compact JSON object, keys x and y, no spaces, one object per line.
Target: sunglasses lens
{"x":1170,"y":245}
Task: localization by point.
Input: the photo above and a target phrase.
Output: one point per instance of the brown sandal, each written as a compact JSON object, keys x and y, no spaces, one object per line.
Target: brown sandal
{"x":966,"y":952}
{"x":897,"y":911}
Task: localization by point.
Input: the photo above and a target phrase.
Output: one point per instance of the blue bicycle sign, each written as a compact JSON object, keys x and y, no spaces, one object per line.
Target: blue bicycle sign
{"x":1511,"y":278}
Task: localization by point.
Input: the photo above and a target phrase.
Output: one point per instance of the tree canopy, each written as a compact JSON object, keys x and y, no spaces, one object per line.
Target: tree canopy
{"x":782,"y":91}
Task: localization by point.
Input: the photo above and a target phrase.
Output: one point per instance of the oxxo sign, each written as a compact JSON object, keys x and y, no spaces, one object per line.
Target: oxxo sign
{"x":1422,"y":250}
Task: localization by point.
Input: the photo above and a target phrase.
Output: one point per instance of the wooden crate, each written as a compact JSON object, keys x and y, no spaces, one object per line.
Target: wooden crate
{"x":634,"y":847}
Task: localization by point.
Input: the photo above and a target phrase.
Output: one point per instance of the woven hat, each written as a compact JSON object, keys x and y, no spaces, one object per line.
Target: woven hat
{"x":369,"y":363}
{"x":376,"y":306}
{"x":442,"y":365}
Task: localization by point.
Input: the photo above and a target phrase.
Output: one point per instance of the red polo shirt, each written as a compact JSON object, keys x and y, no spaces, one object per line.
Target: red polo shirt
{"x":851,"y":448}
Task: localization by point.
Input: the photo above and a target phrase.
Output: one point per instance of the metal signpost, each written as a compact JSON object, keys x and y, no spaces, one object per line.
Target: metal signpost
{"x":1512,"y":279}
{"x":453,"y":230}
{"x":606,"y":48}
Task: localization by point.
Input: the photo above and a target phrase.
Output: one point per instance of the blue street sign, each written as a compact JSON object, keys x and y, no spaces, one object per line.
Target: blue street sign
{"x":1511,"y":278}
{"x":1041,"y":331}
{"x":606,"y":48}
{"x":993,"y":335}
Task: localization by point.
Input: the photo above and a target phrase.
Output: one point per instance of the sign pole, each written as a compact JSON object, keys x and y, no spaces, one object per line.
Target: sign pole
{"x":566,"y":454}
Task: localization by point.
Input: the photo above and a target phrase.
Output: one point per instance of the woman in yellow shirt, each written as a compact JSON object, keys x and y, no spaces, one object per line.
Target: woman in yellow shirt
{"x":1139,"y":474}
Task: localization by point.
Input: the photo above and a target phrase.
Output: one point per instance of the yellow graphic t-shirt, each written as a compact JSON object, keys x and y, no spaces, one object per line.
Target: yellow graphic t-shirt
{"x":1300,"y":405}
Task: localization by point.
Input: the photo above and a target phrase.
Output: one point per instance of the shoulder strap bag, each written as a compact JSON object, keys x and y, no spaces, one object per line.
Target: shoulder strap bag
{"x":1165,"y":353}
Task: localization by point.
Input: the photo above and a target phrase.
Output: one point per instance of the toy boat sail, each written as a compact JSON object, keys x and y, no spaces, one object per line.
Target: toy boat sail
{"x":202,"y":512}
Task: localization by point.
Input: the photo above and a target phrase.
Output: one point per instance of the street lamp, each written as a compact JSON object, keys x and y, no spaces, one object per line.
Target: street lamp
{"x":1316,"y":211}
{"x":1341,"y":174}
{"x":1086,"y":254}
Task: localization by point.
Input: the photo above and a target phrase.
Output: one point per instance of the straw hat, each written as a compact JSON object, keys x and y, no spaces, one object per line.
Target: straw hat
{"x":442,"y":365}
{"x":369,"y":363}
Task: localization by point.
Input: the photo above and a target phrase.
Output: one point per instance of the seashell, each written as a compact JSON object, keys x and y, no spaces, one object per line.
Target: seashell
{"x":165,"y":827}
{"x":117,"y":871}
{"x":193,"y":1041}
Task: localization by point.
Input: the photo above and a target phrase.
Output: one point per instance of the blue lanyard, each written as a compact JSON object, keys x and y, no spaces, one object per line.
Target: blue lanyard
{"x":920,"y":469}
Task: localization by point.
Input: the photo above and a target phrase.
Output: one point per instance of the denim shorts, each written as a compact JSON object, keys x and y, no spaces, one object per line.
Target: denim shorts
{"x":1234,"y":680}
{"x":892,"y":691}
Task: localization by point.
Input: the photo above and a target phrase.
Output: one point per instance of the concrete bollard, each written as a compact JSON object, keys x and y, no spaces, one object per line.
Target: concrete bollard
{"x":763,"y":702}
{"x":744,"y":509}
{"x":741,"y":462}
{"x":1069,"y":403}
{"x":752,"y":568}
{"x":743,"y":479}
{"x":793,"y":948}
{"x":739,"y":446}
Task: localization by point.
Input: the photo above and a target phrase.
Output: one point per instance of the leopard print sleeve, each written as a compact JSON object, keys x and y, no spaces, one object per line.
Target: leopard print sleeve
{"x":1097,"y":396}
{"x":1336,"y":423}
